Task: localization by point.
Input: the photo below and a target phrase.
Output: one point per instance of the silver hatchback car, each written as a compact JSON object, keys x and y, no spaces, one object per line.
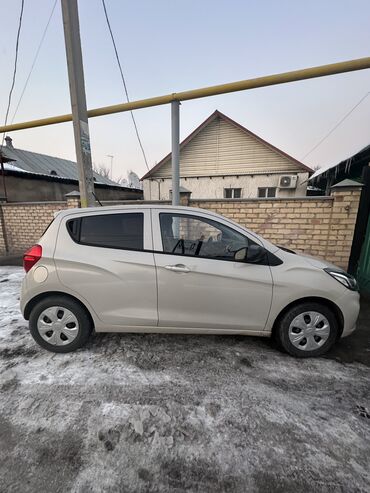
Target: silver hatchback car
{"x":178,"y":270}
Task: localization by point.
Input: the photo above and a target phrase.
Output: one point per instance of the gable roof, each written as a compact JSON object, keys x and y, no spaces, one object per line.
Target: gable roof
{"x":44,"y":164}
{"x":218,"y":115}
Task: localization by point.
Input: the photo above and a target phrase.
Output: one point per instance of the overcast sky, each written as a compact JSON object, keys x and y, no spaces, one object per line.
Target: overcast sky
{"x":173,"y":45}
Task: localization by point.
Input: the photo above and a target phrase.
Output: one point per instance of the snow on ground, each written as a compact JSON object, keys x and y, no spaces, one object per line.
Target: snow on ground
{"x":157,"y":413}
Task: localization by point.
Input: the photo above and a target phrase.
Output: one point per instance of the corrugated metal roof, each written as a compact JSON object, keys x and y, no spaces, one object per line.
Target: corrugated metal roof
{"x":3,"y":158}
{"x":15,"y":171}
{"x":324,"y":169}
{"x":44,"y":164}
{"x":11,"y":167}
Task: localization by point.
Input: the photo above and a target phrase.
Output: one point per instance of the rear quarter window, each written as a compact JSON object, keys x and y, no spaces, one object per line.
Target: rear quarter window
{"x":73,"y":227}
{"x":121,"y":231}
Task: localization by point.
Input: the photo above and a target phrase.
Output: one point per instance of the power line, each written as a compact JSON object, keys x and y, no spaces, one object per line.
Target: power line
{"x":35,"y":59}
{"x":124,"y":83}
{"x":337,"y":125}
{"x":14,"y":71}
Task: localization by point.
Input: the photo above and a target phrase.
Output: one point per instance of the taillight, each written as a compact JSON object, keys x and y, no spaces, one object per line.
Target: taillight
{"x":32,"y":256}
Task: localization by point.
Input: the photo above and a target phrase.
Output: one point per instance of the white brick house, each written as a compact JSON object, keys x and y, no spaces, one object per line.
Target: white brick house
{"x":222,"y":159}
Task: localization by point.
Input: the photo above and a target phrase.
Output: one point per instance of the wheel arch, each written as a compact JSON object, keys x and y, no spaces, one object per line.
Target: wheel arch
{"x":314,"y":299}
{"x":33,"y":302}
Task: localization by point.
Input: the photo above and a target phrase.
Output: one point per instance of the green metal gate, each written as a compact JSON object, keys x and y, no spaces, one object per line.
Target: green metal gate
{"x":363,"y":272}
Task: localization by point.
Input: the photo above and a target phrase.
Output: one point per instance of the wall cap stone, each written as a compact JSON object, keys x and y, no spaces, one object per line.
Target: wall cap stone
{"x":75,"y":193}
{"x":134,"y":202}
{"x":268,"y":199}
{"x":56,"y":202}
{"x":348,"y":184}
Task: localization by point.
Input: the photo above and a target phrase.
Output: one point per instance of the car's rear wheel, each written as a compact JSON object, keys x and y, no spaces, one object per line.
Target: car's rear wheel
{"x":60,"y":324}
{"x":307,"y":330}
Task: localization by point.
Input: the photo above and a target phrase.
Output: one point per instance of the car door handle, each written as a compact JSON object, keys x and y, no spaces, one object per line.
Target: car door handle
{"x":177,"y":268}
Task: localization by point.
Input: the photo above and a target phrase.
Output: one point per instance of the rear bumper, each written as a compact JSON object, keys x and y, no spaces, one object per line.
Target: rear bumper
{"x":23,"y":297}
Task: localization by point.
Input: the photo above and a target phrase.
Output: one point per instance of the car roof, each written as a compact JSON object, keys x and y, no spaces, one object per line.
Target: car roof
{"x":114,"y":208}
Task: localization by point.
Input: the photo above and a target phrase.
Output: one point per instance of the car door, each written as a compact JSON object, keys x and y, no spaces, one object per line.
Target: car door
{"x":200,"y":285}
{"x":107,"y":259}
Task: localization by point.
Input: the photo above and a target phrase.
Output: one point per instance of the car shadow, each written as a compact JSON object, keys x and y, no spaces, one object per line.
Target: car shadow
{"x":355,"y":347}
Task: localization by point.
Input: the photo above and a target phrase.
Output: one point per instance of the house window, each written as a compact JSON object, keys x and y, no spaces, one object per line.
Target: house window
{"x":232,"y":193}
{"x":265,"y":192}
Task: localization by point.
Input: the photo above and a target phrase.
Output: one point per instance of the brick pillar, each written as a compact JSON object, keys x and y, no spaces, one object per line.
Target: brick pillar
{"x":346,"y":197}
{"x":73,"y":200}
{"x":185,"y":198}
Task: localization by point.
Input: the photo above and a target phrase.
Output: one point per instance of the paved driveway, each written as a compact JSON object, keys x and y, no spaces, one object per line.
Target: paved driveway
{"x":156,"y":413}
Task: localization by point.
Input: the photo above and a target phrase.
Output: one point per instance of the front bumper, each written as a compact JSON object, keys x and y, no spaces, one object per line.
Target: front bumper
{"x":348,"y":332}
{"x":349,"y":304}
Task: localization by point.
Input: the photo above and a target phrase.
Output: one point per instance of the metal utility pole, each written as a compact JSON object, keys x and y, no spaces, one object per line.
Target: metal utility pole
{"x":175,"y":128}
{"x":78,"y":101}
{"x":3,"y":177}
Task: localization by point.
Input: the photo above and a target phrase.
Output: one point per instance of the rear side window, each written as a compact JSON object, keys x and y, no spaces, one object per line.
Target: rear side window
{"x":122,"y":231}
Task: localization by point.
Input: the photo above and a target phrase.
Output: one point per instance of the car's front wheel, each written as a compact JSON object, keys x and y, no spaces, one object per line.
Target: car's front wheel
{"x":60,"y":324}
{"x":307,"y":329}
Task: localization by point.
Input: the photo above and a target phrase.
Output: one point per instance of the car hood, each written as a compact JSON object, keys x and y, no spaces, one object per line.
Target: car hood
{"x":308,"y":259}
{"x":319,"y":263}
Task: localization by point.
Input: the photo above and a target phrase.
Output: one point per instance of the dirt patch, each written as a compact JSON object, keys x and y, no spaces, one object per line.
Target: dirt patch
{"x":145,"y":475}
{"x":194,"y":474}
{"x":245,"y":362}
{"x":56,"y":450}
{"x":18,"y":351}
{"x":110,"y":438}
{"x":49,"y":461}
{"x":362,"y":411}
{"x":10,"y":385}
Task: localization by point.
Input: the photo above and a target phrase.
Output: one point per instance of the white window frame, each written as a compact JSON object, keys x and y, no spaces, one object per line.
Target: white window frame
{"x":232,"y":192}
{"x":266,"y":195}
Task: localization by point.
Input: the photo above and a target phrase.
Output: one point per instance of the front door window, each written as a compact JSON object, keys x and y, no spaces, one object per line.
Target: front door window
{"x":199,"y":237}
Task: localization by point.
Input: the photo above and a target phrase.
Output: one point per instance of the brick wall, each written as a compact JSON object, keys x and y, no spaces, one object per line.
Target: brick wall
{"x":319,"y":226}
{"x":25,"y":222}
{"x":3,"y":247}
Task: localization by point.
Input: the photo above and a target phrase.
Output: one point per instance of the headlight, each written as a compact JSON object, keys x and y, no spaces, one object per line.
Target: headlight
{"x":344,"y":278}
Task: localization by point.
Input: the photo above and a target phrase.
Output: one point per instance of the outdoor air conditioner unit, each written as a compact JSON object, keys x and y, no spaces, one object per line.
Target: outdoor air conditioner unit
{"x":288,"y":181}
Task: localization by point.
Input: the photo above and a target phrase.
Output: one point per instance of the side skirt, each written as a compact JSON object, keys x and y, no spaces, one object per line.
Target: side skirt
{"x":181,"y":330}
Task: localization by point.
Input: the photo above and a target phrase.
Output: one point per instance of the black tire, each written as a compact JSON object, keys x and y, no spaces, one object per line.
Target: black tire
{"x":283,"y":324}
{"x":84,"y":323}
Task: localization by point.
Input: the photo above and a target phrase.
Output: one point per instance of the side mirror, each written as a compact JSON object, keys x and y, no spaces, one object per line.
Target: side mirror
{"x":241,"y":255}
{"x":255,"y":254}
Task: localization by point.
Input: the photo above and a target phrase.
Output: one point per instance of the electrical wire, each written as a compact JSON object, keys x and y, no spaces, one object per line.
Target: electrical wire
{"x":14,"y":71}
{"x":34,"y":60}
{"x":336,"y":125}
{"x":124,"y":83}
